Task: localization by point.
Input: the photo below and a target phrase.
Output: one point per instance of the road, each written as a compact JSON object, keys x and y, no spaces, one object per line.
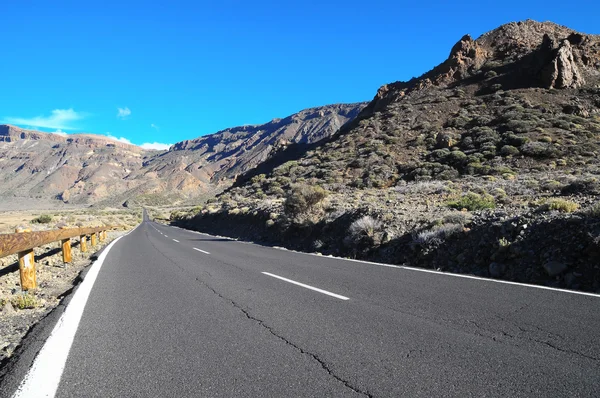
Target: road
{"x":178,"y":313}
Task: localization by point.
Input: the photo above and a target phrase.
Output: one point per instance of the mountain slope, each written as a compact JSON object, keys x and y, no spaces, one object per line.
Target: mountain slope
{"x":506,"y":129}
{"x":499,"y":102}
{"x":96,"y":170}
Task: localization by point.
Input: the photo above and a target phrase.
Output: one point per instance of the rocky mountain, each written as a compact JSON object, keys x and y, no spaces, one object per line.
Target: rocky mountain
{"x":514,"y":98}
{"x":507,"y":130}
{"x":97,"y":170}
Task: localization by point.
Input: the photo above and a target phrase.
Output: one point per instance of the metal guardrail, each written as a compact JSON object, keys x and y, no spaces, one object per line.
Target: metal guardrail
{"x":23,"y":243}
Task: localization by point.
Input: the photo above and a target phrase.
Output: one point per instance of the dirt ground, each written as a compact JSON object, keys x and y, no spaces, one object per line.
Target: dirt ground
{"x":79,"y":217}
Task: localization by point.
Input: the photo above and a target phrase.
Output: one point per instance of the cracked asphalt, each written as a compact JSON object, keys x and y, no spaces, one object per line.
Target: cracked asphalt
{"x":166,"y":319}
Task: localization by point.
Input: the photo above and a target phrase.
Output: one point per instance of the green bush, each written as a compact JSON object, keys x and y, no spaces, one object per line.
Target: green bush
{"x":562,"y":205}
{"x":302,"y":198}
{"x":43,"y":219}
{"x":24,"y":301}
{"x":509,"y":150}
{"x":472,"y":201}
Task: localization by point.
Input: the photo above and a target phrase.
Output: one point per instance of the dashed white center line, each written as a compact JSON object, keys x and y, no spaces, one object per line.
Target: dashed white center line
{"x":201,"y":251}
{"x":166,"y":236}
{"x":175,"y":240}
{"x":316,"y":289}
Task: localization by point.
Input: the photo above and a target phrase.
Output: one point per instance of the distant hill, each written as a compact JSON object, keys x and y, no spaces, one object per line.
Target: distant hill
{"x":94,"y":169}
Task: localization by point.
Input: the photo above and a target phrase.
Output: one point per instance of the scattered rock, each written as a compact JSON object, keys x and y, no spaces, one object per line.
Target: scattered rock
{"x":497,"y":270}
{"x":555,"y":268}
{"x":7,"y":308}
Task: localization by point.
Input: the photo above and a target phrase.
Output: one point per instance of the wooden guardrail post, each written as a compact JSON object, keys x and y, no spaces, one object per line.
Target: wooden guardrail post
{"x":101,"y":236}
{"x":26,"y":265}
{"x":66,"y":250}
{"x":83,"y":243}
{"x":27,"y":270}
{"x":93,"y":240}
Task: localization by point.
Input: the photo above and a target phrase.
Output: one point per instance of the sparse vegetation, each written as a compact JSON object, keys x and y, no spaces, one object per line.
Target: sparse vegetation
{"x":562,"y":205}
{"x":43,"y":219}
{"x":473,"y":201}
{"x":24,"y":301}
{"x":438,"y":234}
{"x":303,"y":198}
{"x":365,"y":227}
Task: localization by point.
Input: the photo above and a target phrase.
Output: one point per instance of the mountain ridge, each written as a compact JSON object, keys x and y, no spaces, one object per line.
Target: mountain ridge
{"x":94,"y":169}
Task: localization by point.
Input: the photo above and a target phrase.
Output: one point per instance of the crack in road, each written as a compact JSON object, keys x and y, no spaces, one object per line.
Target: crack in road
{"x":270,"y":329}
{"x":547,"y":343}
{"x":286,"y":341}
{"x":493,"y":333}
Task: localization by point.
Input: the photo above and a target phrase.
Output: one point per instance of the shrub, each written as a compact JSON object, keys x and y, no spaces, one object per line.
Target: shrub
{"x":539,"y":150}
{"x":302,"y":198}
{"x":43,"y":219}
{"x":258,"y":179}
{"x":456,"y":218}
{"x":509,"y":150}
{"x":594,"y":211}
{"x":472,"y":201}
{"x":438,"y":234}
{"x":24,"y":301}
{"x":562,"y":205}
{"x":365,"y":226}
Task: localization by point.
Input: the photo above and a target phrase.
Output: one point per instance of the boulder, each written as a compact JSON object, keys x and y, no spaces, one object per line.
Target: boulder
{"x":555,"y":268}
{"x":496,"y":270}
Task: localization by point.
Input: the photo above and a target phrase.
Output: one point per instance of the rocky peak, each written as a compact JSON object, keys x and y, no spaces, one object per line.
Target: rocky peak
{"x":515,"y":55}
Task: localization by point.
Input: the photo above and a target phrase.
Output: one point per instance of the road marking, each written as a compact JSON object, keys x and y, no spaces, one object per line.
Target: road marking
{"x":175,"y":240}
{"x":316,"y":289}
{"x":201,"y":251}
{"x":407,"y":267}
{"x":165,"y":236}
{"x":44,"y":376}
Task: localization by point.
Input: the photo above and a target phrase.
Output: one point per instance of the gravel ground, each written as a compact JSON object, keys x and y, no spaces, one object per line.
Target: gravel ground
{"x":54,"y":280}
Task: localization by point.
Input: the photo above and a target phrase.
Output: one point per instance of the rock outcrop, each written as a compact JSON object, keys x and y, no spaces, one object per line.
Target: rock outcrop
{"x":561,"y":71}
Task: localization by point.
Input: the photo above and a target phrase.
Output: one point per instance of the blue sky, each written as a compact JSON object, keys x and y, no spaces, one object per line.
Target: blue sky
{"x":165,"y":71}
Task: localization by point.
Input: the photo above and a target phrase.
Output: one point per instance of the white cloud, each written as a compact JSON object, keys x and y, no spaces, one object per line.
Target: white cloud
{"x":154,"y":126}
{"x":156,"y":146}
{"x":123,"y":113}
{"x":120,"y":139}
{"x":60,"y":119}
{"x":59,"y":132}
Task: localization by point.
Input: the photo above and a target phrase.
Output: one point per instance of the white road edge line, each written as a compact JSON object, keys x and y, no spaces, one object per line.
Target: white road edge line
{"x":316,"y":289}
{"x":175,"y":240}
{"x":44,"y":376}
{"x":555,"y":289}
{"x":201,"y":251}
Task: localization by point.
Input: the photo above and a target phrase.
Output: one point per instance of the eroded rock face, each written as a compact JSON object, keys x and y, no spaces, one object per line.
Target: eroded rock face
{"x":562,"y":70}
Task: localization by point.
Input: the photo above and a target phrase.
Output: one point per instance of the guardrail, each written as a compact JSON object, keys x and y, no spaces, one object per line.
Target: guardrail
{"x":23,"y":242}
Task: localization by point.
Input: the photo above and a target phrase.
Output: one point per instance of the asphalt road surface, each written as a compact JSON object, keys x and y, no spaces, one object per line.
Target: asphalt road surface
{"x":174,"y":313}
